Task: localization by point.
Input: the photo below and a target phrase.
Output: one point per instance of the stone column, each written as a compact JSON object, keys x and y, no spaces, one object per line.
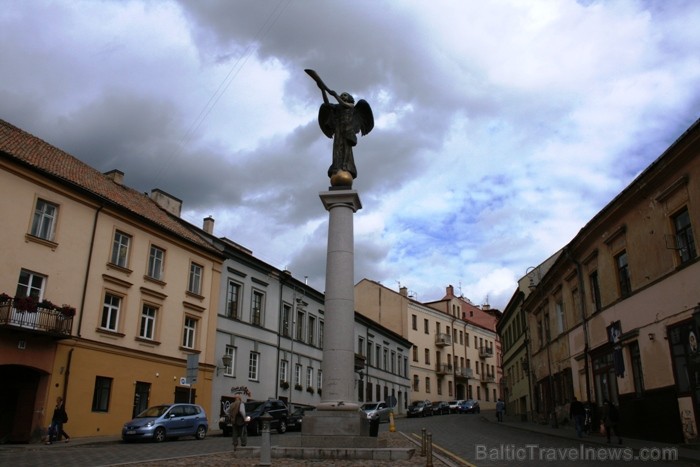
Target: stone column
{"x":339,"y":323}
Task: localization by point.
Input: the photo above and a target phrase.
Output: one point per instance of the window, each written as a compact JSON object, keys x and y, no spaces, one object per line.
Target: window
{"x":623,"y":274}
{"x":253,"y":363}
{"x":416,"y":383}
{"x":311,"y":330}
{"x":189,"y":333}
{"x":284,"y":371}
{"x":361,"y":346}
{"x":101,"y":393}
{"x":309,"y":377}
{"x":300,"y":325}
{"x":155,"y":263}
{"x":319,"y":380}
{"x":427,"y":384}
{"x":377,"y":354}
{"x":120,"y":249}
{"x":44,"y":222}
{"x":427,"y":356}
{"x":595,"y":290}
{"x":257,"y":307}
{"x":559,"y":308}
{"x":393,"y":361}
{"x":320,"y":334}
{"x":110,"y":312}
{"x":370,"y":345}
{"x":230,"y":352}
{"x":415,"y":353}
{"x":232,"y":302}
{"x":148,"y":322}
{"x":685,"y":243}
{"x":637,"y":369}
{"x":297,"y":375}
{"x":414,"y":322}
{"x":385,"y":363}
{"x":426,"y":326}
{"x":286,"y":315}
{"x":195,"y":282}
{"x":547,"y":333}
{"x":30,"y":285}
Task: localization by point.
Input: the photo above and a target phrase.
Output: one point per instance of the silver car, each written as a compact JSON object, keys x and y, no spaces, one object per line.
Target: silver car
{"x":376,"y":411}
{"x":165,"y":421}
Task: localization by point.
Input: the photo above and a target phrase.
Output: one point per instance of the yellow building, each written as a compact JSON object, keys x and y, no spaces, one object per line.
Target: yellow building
{"x":455,"y":346}
{"x":617,"y":316}
{"x":139,"y":285}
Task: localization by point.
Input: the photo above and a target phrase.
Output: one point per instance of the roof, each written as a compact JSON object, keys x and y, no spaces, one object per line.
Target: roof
{"x":42,"y":157}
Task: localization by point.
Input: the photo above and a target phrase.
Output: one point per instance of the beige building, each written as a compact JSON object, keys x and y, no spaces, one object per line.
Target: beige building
{"x":107,"y":293}
{"x":454,"y":353}
{"x":618,"y":314}
{"x":514,"y":335}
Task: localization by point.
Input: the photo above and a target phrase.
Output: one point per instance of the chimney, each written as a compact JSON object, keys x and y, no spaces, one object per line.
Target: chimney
{"x":209,"y":225}
{"x":403,"y":291}
{"x":167,"y":201}
{"x":450,"y":291}
{"x":117,"y":176}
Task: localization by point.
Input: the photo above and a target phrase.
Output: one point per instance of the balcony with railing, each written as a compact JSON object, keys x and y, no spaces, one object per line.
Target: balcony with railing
{"x":28,"y":315}
{"x":464,"y":373}
{"x":485,"y":352}
{"x":442,"y":339}
{"x":488,"y":378}
{"x":443,"y":369}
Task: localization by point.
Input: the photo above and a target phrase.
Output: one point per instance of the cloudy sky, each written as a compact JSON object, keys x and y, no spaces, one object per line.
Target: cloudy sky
{"x":501,"y":128}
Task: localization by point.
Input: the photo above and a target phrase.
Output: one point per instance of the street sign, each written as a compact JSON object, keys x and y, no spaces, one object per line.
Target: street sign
{"x":192,"y":367}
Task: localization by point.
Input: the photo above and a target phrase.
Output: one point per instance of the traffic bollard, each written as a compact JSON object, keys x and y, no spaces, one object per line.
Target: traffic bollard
{"x":429,"y":452}
{"x":265,"y":441}
{"x":422,"y":442}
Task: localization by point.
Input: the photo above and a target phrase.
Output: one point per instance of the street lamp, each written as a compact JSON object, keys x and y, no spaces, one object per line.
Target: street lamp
{"x":226,"y":360}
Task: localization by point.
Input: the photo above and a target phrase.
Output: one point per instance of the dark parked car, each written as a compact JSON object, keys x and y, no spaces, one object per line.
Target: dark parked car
{"x":470,"y":406}
{"x":277,"y":409}
{"x":165,"y":421}
{"x":441,"y":408}
{"x":297,"y":418}
{"x":420,"y":409}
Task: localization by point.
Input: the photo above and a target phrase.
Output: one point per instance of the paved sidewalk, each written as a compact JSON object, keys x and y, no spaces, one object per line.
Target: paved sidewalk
{"x":685,"y":451}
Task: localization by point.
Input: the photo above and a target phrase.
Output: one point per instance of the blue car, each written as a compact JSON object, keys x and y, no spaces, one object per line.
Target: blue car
{"x":165,"y":421}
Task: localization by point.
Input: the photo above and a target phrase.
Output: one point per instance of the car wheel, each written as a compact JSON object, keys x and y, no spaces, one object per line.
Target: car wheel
{"x":159,"y":435}
{"x":201,"y":432}
{"x":282,"y":428}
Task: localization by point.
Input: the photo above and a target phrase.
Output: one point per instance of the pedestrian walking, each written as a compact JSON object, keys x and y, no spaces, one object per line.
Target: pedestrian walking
{"x":57,"y":420}
{"x":500,"y":409}
{"x":611,"y":419}
{"x":236,"y":413}
{"x":577,"y":413}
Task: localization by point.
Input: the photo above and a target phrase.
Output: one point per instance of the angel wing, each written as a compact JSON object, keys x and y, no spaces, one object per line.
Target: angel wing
{"x":363,"y":119}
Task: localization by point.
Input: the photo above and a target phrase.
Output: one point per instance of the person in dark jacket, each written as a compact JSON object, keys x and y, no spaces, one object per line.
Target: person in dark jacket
{"x":611,"y":417}
{"x":57,"y":420}
{"x":577,"y":412}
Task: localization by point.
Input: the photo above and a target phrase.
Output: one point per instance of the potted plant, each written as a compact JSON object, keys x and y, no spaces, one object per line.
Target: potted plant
{"x":310,"y":390}
{"x":26,"y":304}
{"x":67,"y":311}
{"x":297,"y":387}
{"x":319,"y":391}
{"x":284,"y":385}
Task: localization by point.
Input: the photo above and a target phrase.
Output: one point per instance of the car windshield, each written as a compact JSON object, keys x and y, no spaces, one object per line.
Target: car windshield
{"x":369,"y":407}
{"x":417,"y":404}
{"x":253,"y":406}
{"x":151,"y":412}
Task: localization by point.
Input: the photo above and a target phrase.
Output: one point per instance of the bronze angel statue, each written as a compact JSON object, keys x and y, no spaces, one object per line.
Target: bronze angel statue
{"x":342,"y":122}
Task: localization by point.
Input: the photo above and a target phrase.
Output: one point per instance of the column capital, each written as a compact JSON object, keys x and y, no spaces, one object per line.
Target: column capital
{"x":348,"y":198}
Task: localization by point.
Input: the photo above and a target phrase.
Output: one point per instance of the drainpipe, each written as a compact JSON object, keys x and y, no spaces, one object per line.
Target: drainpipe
{"x":87,"y":271}
{"x":584,"y":321}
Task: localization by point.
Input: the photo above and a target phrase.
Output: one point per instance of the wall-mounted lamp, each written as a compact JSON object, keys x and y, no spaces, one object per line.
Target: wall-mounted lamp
{"x":652,"y":336}
{"x":226,"y":360}
{"x":532,"y":272}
